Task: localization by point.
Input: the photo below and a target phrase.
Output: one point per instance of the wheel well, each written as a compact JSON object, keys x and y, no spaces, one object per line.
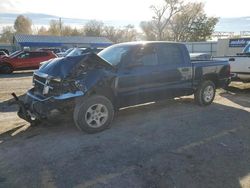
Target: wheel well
{"x":6,"y":63}
{"x":212,"y":77}
{"x":104,"y":91}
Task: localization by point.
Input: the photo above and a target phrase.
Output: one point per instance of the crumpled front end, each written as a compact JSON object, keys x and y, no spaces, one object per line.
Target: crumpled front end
{"x":48,"y":96}
{"x":57,"y":83}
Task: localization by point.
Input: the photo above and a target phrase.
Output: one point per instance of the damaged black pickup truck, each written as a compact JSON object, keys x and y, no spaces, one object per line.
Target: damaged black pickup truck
{"x":92,"y":87}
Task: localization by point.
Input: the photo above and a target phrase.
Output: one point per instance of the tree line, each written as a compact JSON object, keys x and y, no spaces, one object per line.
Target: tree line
{"x":173,"y":21}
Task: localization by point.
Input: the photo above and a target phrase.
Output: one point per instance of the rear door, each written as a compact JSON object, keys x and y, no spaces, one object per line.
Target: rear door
{"x":37,"y":58}
{"x":175,"y":70}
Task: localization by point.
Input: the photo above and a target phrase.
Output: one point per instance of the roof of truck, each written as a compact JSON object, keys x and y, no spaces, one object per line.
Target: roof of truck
{"x":150,"y":42}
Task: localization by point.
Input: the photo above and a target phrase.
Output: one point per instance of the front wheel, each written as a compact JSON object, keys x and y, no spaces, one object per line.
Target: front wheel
{"x":6,"y":69}
{"x":93,"y":114}
{"x":205,"y":93}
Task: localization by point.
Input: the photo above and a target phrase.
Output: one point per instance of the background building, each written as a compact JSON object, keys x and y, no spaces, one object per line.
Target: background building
{"x":44,"y":41}
{"x":222,"y":47}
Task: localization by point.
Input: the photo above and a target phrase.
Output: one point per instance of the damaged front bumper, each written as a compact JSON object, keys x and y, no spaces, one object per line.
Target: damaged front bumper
{"x":36,"y":107}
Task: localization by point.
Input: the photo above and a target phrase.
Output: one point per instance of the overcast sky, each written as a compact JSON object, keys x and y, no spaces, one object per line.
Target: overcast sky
{"x":115,"y":9}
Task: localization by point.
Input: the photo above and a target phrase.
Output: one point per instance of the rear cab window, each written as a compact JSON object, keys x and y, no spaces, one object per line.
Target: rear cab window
{"x":24,"y":55}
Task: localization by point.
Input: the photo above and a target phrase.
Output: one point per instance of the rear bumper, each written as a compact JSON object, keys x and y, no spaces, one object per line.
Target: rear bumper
{"x":244,"y":77}
{"x":38,"y":107}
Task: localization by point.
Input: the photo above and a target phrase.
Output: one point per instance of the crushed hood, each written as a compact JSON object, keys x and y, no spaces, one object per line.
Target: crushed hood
{"x":64,"y":67}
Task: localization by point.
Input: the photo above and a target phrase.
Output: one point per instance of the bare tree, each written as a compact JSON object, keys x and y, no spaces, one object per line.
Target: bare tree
{"x":112,"y":33}
{"x":93,"y":28}
{"x":148,"y":30}
{"x":55,"y":27}
{"x":76,"y":32}
{"x":42,"y":31}
{"x":163,"y":15}
{"x":23,"y":25}
{"x":116,"y":35}
{"x":129,"y":33}
{"x":179,"y":22}
{"x":7,"y":34}
{"x":192,"y":24}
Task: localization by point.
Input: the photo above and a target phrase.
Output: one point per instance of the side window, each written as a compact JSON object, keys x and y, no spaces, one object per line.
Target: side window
{"x":38,"y":54}
{"x":24,"y":55}
{"x":44,"y":54}
{"x":170,"y":54}
{"x":146,"y":56}
{"x":247,"y":48}
{"x":118,"y":55}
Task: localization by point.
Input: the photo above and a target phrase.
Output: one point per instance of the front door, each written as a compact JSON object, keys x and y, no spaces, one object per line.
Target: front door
{"x":137,"y":82}
{"x":23,"y":60}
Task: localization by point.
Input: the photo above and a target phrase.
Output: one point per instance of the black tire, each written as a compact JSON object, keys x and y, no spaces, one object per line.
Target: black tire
{"x":6,"y":69}
{"x":35,"y":123}
{"x":200,"y":95}
{"x":227,"y":85}
{"x":83,"y":112}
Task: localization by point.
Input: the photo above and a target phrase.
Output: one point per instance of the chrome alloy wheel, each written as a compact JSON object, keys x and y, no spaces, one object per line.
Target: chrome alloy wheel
{"x":96,"y":115}
{"x":208,"y":93}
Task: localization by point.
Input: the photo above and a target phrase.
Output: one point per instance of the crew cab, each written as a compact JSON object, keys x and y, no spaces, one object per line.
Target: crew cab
{"x":95,"y":86}
{"x":22,"y":60}
{"x":240,"y":65}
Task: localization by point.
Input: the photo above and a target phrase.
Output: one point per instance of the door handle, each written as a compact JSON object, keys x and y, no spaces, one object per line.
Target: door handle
{"x":231,"y":59}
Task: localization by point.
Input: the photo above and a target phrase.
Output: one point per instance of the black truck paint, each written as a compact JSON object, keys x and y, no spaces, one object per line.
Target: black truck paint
{"x":94,"y":86}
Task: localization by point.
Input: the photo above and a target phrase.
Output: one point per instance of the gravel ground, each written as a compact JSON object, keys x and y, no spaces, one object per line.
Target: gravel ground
{"x":171,"y":143}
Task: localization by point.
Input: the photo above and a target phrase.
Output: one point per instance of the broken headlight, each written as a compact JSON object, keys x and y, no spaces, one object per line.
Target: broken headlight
{"x":56,"y":79}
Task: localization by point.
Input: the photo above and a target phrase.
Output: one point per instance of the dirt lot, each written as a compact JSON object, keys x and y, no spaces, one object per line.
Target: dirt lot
{"x":167,"y":144}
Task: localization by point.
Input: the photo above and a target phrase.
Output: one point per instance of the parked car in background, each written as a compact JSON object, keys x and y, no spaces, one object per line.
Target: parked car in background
{"x":3,"y":54}
{"x":240,"y":65}
{"x":63,"y":54}
{"x":97,"y":50}
{"x":6,"y":51}
{"x":81,"y":51}
{"x":22,"y":60}
{"x":78,"y":51}
{"x":93,"y":86}
{"x":55,"y":50}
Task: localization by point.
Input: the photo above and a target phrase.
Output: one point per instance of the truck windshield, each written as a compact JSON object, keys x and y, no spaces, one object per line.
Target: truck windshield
{"x":14,"y":54}
{"x":114,"y":54}
{"x":247,"y":49}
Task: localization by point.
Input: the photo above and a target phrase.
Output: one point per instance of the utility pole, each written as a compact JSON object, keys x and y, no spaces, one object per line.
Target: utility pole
{"x":60,"y":25}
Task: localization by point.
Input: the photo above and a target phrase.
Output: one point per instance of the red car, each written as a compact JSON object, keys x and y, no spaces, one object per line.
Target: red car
{"x":23,"y":60}
{"x":3,"y":54}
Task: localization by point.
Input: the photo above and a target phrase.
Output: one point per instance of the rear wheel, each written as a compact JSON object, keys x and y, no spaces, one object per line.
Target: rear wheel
{"x":6,"y":69}
{"x":205,"y":93}
{"x":93,"y":114}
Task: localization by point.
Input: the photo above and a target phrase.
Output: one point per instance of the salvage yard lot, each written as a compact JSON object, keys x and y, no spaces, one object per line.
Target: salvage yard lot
{"x":172,"y":143}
